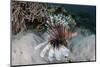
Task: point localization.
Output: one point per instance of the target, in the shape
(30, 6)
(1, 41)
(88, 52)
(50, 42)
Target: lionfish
(57, 43)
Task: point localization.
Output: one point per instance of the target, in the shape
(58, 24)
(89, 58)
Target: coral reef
(27, 15)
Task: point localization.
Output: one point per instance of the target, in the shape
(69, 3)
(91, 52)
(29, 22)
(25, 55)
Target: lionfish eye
(52, 42)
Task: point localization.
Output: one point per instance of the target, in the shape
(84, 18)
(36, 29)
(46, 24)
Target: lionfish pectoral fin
(40, 45)
(44, 50)
(42, 55)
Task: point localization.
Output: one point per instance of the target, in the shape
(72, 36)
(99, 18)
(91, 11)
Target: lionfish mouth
(59, 35)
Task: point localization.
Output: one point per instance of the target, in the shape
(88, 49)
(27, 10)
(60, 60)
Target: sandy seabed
(23, 53)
